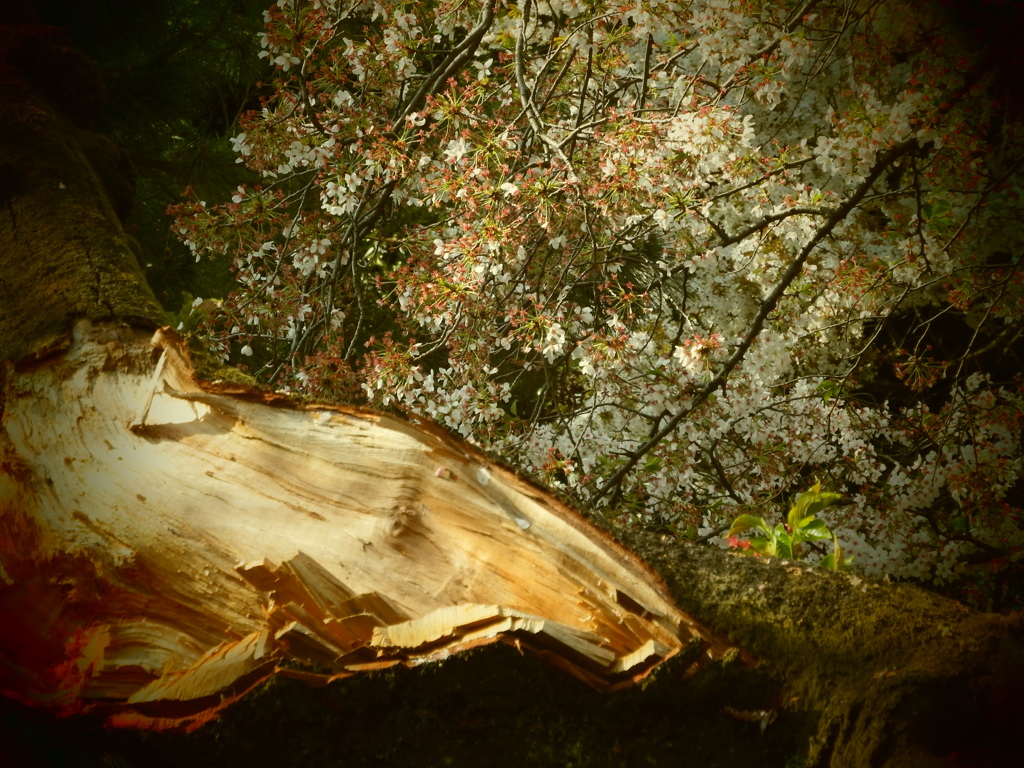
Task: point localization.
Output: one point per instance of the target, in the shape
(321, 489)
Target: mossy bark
(64, 252)
(886, 674)
(849, 673)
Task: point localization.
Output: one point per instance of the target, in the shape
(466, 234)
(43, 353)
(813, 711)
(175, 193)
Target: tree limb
(886, 159)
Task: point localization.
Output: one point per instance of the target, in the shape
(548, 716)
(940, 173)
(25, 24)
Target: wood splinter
(180, 543)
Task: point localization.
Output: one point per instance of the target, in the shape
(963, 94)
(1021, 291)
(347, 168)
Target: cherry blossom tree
(675, 259)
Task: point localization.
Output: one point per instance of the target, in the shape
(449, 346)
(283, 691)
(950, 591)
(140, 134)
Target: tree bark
(167, 543)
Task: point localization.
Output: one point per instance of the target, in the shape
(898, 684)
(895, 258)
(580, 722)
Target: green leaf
(762, 545)
(798, 518)
(815, 530)
(823, 500)
(809, 504)
(783, 542)
(828, 389)
(798, 512)
(653, 464)
(835, 561)
(746, 523)
(935, 208)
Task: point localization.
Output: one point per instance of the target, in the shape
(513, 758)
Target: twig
(767, 307)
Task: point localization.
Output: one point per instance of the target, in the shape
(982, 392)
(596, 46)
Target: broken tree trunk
(172, 545)
(165, 544)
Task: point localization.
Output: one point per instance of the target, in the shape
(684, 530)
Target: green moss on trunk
(885, 674)
(64, 253)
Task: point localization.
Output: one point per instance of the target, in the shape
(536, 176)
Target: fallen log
(171, 543)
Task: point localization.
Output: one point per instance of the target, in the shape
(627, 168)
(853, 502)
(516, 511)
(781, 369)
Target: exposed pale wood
(187, 542)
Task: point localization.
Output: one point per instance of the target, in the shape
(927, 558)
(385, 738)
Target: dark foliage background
(177, 75)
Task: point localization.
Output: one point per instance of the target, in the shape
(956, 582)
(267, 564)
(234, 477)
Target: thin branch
(757, 226)
(455, 61)
(647, 70)
(526, 95)
(767, 307)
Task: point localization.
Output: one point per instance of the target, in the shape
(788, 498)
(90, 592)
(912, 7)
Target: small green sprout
(784, 540)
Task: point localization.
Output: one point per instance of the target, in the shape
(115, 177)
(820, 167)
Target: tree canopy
(675, 260)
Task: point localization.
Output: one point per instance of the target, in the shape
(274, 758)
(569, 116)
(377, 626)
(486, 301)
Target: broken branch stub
(165, 544)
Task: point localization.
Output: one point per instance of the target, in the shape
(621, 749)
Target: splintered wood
(166, 545)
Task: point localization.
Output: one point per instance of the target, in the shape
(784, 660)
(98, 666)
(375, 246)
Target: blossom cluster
(653, 253)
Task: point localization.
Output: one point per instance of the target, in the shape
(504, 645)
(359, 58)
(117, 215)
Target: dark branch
(767, 307)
